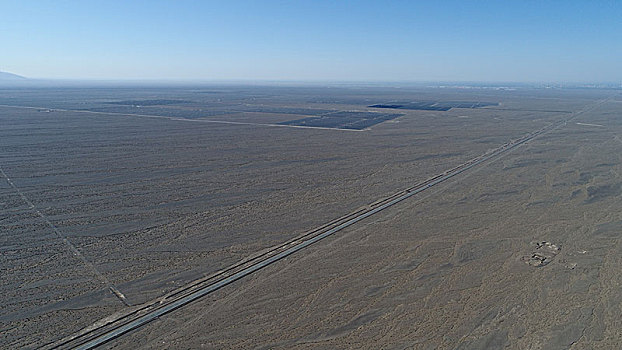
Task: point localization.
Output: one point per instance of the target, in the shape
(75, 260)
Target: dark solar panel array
(344, 120)
(434, 105)
(160, 102)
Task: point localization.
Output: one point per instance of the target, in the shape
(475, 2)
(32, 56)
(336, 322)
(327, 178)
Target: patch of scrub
(598, 193)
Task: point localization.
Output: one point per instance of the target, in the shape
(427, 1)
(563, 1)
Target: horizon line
(440, 82)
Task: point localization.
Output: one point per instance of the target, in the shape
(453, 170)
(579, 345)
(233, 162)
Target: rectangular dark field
(188, 113)
(344, 120)
(434, 105)
(159, 102)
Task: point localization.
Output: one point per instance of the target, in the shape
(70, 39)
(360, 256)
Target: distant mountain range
(4, 76)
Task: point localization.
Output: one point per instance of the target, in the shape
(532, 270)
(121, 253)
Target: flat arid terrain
(114, 200)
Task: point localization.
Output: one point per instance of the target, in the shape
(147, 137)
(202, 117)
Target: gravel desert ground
(144, 190)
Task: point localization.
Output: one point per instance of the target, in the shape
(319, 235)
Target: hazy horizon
(319, 41)
(298, 82)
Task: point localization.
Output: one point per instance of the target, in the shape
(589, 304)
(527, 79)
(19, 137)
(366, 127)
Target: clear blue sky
(335, 40)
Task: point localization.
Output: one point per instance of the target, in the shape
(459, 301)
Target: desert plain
(113, 196)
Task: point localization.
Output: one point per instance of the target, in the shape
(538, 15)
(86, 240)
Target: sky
(375, 41)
